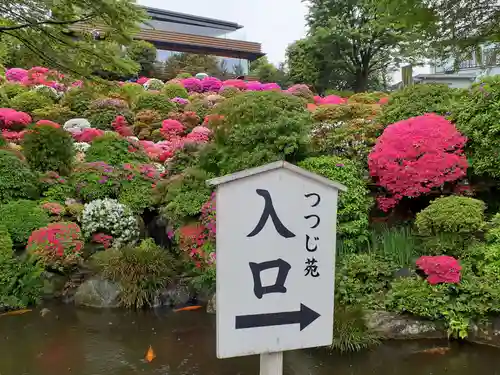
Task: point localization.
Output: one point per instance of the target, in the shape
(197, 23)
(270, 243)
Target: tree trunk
(361, 83)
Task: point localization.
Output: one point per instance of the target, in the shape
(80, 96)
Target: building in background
(462, 74)
(173, 32)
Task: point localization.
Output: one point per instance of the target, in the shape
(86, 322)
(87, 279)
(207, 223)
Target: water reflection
(93, 342)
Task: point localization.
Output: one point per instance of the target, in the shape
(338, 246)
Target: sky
(273, 23)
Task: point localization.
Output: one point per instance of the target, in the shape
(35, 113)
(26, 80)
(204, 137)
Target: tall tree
(144, 54)
(350, 40)
(42, 29)
(193, 64)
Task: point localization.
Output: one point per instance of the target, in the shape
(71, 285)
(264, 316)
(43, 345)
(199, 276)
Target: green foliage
(476, 116)
(182, 196)
(493, 229)
(144, 54)
(475, 297)
(229, 91)
(30, 101)
(21, 218)
(78, 99)
(114, 150)
(258, 128)
(363, 279)
(130, 91)
(5, 243)
(102, 115)
(200, 107)
(175, 90)
(20, 282)
(57, 113)
(191, 63)
(350, 333)
(155, 102)
(43, 34)
(49, 149)
(3, 142)
(11, 89)
(449, 224)
(416, 100)
(348, 130)
(141, 271)
(186, 157)
(354, 205)
(267, 72)
(136, 194)
(16, 179)
(341, 93)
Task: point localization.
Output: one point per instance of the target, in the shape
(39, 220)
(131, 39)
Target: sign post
(276, 231)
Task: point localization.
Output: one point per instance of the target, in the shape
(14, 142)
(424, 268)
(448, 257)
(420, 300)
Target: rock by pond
(98, 293)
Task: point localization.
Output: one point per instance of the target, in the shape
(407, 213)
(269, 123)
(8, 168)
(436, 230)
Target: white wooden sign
(275, 260)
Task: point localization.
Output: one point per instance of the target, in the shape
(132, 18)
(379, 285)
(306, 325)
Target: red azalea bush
(416, 155)
(440, 269)
(172, 128)
(53, 208)
(121, 126)
(48, 123)
(103, 239)
(59, 245)
(88, 135)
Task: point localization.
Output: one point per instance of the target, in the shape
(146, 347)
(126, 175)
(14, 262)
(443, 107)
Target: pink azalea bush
(192, 84)
(16, 74)
(440, 269)
(414, 156)
(12, 119)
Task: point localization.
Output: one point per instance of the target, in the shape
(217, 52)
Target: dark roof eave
(222, 52)
(212, 21)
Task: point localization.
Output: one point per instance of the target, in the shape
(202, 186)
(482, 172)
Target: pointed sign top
(274, 166)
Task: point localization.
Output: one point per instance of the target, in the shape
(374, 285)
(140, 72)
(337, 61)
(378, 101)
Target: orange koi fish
(16, 312)
(150, 355)
(440, 350)
(188, 308)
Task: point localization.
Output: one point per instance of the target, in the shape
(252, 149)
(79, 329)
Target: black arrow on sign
(304, 317)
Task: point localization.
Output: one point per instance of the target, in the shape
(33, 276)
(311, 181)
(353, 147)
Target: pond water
(93, 342)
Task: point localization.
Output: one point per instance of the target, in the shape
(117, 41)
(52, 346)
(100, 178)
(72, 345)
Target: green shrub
(363, 279)
(136, 194)
(20, 282)
(5, 243)
(3, 142)
(350, 333)
(475, 298)
(21, 218)
(353, 206)
(416, 100)
(130, 91)
(30, 101)
(12, 90)
(341, 93)
(229, 91)
(57, 113)
(49, 149)
(155, 102)
(258, 128)
(175, 90)
(449, 224)
(96, 180)
(102, 116)
(182, 196)
(16, 179)
(493, 229)
(365, 98)
(199, 106)
(184, 158)
(141, 271)
(115, 150)
(78, 100)
(476, 116)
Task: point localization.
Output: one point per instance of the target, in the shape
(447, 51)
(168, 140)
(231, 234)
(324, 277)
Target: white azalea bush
(110, 217)
(153, 84)
(81, 146)
(76, 125)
